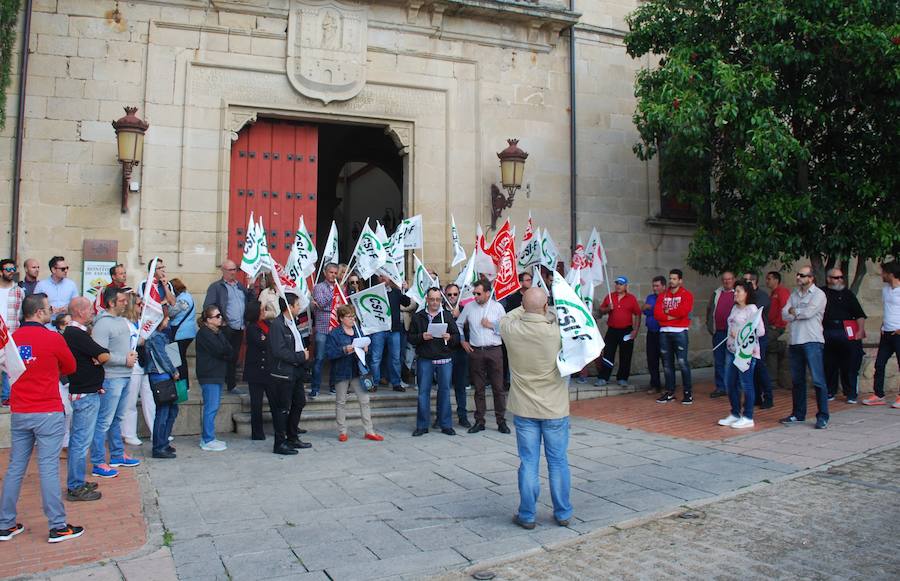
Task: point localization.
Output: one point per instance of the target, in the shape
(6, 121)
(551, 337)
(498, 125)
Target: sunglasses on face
(803, 275)
(452, 294)
(13, 269)
(354, 282)
(63, 268)
(836, 277)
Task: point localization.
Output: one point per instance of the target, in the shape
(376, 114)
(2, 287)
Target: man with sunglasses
(11, 297)
(844, 329)
(805, 309)
(460, 360)
(59, 288)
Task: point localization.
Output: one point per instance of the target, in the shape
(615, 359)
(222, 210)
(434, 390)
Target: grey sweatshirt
(113, 333)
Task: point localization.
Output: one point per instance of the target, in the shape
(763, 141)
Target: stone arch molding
(326, 49)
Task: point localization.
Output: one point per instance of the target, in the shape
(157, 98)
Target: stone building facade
(427, 90)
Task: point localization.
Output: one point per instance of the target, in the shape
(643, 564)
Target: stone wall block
(233, 20)
(50, 129)
(164, 36)
(74, 109)
(97, 131)
(43, 65)
(58, 45)
(90, 27)
(116, 70)
(92, 48)
(45, 23)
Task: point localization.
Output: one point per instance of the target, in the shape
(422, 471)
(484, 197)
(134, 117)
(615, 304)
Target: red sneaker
(374, 437)
(873, 399)
(342, 438)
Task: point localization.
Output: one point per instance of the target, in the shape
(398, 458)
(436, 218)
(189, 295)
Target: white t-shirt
(891, 298)
(4, 299)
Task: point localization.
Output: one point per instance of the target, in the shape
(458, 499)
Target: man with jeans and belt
(230, 295)
(673, 311)
(112, 331)
(658, 285)
(539, 400)
(389, 339)
(85, 389)
(322, 298)
(717, 311)
(37, 420)
(485, 355)
(804, 310)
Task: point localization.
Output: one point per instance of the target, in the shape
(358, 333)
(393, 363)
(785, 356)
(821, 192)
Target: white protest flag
(746, 340)
(152, 311)
(585, 289)
(459, 253)
(484, 264)
(10, 356)
(389, 268)
(395, 249)
(538, 280)
(369, 252)
(595, 257)
(573, 277)
(251, 262)
(581, 340)
(284, 283)
(422, 281)
(549, 252)
(330, 252)
(373, 309)
(302, 260)
(530, 253)
(410, 231)
(466, 281)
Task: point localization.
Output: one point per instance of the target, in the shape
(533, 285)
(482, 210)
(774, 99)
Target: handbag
(164, 392)
(366, 380)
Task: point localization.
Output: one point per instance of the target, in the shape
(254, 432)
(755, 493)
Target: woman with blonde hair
(346, 372)
(140, 380)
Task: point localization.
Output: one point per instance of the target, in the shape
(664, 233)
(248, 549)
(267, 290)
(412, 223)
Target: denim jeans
(674, 347)
(84, 424)
(737, 381)
(320, 338)
(761, 379)
(801, 356)
(391, 340)
(6, 386)
(212, 396)
(426, 370)
(44, 430)
(555, 434)
(719, 359)
(460, 382)
(109, 421)
(162, 425)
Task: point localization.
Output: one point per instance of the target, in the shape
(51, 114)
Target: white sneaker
(133, 441)
(213, 446)
(729, 421)
(743, 423)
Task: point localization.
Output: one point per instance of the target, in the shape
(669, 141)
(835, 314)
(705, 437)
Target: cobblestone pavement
(841, 523)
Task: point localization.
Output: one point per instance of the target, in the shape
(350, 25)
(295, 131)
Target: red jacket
(46, 357)
(678, 305)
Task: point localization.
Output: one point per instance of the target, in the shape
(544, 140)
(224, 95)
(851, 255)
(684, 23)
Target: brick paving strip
(416, 507)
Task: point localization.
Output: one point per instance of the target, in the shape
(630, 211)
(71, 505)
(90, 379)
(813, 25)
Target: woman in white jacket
(744, 331)
(140, 382)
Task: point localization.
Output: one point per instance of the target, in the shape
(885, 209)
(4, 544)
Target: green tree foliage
(792, 109)
(9, 10)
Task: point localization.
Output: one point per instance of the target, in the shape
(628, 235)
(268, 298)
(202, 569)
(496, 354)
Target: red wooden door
(274, 173)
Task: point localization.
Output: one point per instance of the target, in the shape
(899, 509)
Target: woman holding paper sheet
(742, 340)
(346, 363)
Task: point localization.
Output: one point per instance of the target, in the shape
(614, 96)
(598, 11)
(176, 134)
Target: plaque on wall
(326, 49)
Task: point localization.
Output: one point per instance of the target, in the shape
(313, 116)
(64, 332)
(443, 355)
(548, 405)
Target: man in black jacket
(435, 357)
(844, 328)
(285, 391)
(85, 387)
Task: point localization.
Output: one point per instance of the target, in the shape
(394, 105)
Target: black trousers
(888, 346)
(653, 359)
(257, 390)
(286, 400)
(236, 338)
(613, 340)
(843, 358)
(183, 345)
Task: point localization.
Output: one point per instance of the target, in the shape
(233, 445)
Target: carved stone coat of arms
(326, 49)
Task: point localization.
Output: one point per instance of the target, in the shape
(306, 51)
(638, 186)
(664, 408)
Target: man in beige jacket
(539, 400)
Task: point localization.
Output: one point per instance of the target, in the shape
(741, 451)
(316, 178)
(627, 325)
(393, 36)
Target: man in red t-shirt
(624, 323)
(779, 295)
(673, 312)
(38, 420)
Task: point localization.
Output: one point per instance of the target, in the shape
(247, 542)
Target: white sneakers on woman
(736, 422)
(213, 446)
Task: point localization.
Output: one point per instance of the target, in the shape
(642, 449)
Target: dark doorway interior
(360, 176)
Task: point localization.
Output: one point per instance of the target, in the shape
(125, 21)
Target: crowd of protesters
(87, 365)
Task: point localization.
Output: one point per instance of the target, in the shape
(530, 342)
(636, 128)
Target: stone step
(323, 420)
(383, 398)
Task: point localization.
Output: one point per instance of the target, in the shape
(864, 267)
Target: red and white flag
(529, 229)
(484, 264)
(337, 299)
(152, 312)
(595, 257)
(503, 254)
(579, 260)
(10, 359)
